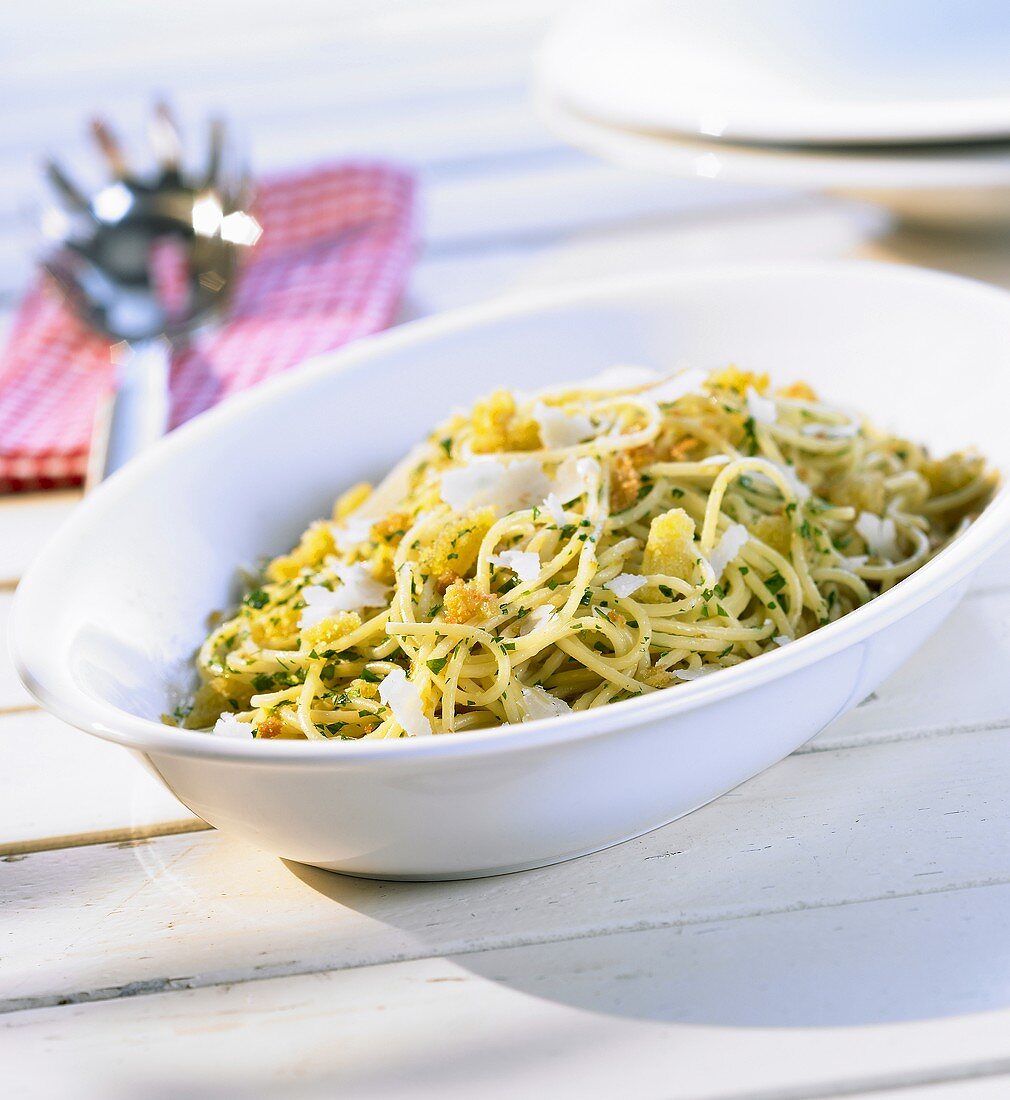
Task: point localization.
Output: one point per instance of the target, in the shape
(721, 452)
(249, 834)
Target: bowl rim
(53, 685)
(695, 155)
(792, 116)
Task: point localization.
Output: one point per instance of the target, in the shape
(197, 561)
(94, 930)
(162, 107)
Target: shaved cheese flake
(404, 700)
(537, 619)
(486, 482)
(677, 386)
(524, 485)
(574, 477)
(560, 429)
(692, 673)
(320, 604)
(553, 506)
(762, 409)
(358, 590)
(541, 704)
(524, 563)
(726, 549)
(782, 639)
(354, 529)
(800, 490)
(625, 584)
(464, 486)
(880, 535)
(229, 726)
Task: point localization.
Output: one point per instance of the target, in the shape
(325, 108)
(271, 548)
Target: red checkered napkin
(331, 265)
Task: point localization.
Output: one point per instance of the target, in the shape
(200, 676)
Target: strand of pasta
(565, 631)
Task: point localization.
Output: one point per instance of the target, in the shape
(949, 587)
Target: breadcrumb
(798, 391)
(391, 529)
(315, 545)
(774, 531)
(670, 548)
(364, 689)
(740, 381)
(644, 455)
(947, 475)
(865, 492)
(351, 500)
(273, 627)
(680, 450)
(497, 427)
(657, 677)
(270, 727)
(456, 546)
(331, 630)
(625, 482)
(464, 600)
(380, 562)
(208, 705)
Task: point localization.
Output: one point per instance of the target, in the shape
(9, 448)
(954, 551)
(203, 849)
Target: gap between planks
(120, 836)
(19, 708)
(158, 985)
(14, 500)
(890, 1085)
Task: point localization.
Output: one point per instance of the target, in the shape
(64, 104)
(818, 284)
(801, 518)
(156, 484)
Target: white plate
(790, 71)
(107, 618)
(953, 187)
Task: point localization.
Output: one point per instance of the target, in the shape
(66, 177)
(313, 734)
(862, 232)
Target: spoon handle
(135, 414)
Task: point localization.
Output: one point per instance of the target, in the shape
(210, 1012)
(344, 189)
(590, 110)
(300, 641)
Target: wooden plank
(12, 695)
(360, 70)
(59, 783)
(27, 521)
(711, 226)
(526, 204)
(307, 79)
(819, 830)
(425, 34)
(771, 1006)
(982, 1084)
(469, 114)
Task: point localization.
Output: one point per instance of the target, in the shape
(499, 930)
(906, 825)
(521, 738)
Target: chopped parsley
(775, 583)
(257, 598)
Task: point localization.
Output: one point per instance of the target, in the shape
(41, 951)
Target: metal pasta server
(143, 261)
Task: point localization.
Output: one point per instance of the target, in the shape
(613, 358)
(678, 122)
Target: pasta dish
(546, 553)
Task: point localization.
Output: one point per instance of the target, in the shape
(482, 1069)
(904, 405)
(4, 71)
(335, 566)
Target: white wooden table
(837, 926)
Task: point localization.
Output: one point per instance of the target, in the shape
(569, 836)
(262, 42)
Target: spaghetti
(546, 554)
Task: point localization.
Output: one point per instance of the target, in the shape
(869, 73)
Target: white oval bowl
(107, 618)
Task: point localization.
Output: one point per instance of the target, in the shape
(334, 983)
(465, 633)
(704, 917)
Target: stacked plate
(905, 103)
